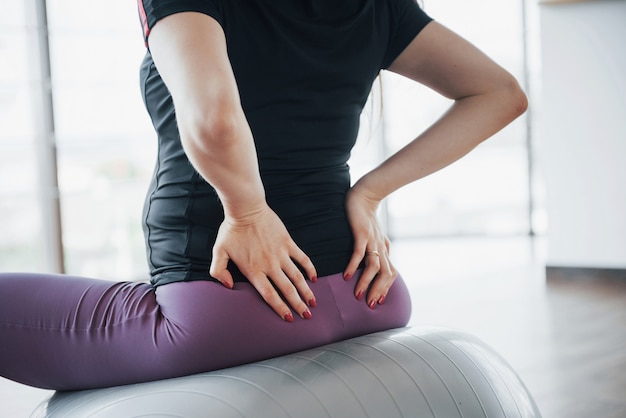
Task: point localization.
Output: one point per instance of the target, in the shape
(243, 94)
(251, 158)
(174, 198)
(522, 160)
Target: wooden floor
(566, 337)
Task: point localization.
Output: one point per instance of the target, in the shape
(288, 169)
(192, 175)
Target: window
(106, 146)
(21, 228)
(487, 192)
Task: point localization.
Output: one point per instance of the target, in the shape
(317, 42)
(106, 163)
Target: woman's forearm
(486, 99)
(223, 153)
(468, 122)
(189, 50)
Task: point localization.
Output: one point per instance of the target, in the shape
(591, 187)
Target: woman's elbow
(209, 132)
(514, 100)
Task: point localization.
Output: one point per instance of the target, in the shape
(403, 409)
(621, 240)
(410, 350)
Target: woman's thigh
(224, 327)
(62, 332)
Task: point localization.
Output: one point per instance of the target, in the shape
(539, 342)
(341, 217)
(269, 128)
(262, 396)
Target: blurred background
(522, 243)
(79, 99)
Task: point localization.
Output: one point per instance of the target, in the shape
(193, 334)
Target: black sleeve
(151, 11)
(407, 20)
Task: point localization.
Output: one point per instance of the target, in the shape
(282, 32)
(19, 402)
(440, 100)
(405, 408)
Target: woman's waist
(328, 258)
(301, 207)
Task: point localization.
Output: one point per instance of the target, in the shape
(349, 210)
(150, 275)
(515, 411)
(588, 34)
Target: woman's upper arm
(189, 51)
(450, 65)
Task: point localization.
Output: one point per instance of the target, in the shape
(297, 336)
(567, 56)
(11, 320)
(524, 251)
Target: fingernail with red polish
(381, 300)
(312, 303)
(307, 314)
(372, 304)
(314, 279)
(359, 295)
(347, 276)
(288, 317)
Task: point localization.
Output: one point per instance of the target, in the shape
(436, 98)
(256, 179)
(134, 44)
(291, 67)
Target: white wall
(582, 132)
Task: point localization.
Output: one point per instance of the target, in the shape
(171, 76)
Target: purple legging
(68, 333)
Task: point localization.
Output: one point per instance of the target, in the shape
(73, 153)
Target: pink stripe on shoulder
(144, 20)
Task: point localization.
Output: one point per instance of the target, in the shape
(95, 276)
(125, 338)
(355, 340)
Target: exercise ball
(405, 372)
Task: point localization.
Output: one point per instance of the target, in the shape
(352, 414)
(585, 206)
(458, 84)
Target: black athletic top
(304, 69)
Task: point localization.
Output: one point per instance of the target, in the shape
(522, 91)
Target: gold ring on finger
(376, 253)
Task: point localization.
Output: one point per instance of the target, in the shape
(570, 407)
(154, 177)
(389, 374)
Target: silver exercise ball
(399, 373)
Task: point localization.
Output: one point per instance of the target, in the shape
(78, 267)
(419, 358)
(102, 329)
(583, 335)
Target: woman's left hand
(371, 245)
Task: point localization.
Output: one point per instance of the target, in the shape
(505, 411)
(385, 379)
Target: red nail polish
(312, 303)
(288, 317)
(359, 295)
(381, 300)
(314, 279)
(372, 304)
(347, 276)
(307, 314)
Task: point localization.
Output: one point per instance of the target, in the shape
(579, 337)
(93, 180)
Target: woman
(257, 244)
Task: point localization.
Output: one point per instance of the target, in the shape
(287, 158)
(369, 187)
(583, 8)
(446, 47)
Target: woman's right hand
(371, 246)
(265, 253)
